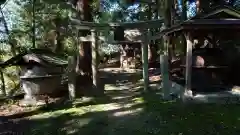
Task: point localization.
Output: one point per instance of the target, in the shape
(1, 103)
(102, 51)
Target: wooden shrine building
(216, 27)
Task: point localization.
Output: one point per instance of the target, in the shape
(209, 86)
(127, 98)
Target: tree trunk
(33, 25)
(95, 63)
(202, 6)
(150, 54)
(58, 41)
(81, 62)
(174, 11)
(4, 93)
(198, 6)
(84, 64)
(173, 22)
(119, 36)
(167, 23)
(164, 57)
(183, 18)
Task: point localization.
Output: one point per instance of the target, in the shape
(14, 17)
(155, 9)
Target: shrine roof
(219, 12)
(223, 17)
(41, 56)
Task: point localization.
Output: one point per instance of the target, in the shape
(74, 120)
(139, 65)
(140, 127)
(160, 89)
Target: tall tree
(84, 14)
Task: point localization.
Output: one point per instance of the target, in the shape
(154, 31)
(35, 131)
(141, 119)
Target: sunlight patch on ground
(110, 87)
(71, 131)
(83, 99)
(128, 108)
(138, 100)
(128, 105)
(121, 97)
(128, 112)
(58, 113)
(137, 87)
(104, 107)
(78, 110)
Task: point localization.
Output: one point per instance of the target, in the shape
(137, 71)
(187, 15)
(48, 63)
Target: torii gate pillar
(144, 47)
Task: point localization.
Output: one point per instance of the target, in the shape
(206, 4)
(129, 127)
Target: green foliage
(52, 27)
(49, 17)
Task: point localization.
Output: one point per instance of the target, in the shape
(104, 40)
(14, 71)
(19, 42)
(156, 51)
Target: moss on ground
(132, 113)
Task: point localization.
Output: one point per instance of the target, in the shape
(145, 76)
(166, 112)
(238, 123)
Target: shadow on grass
(64, 104)
(126, 112)
(151, 116)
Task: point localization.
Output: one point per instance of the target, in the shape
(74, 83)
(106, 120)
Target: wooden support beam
(164, 69)
(188, 73)
(95, 61)
(88, 38)
(143, 24)
(84, 25)
(144, 48)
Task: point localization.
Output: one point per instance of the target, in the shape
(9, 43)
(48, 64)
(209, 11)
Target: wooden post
(144, 48)
(188, 73)
(164, 69)
(164, 55)
(95, 72)
(72, 77)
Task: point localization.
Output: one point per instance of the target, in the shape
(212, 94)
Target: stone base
(227, 97)
(31, 101)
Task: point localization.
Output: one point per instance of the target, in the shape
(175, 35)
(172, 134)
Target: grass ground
(126, 111)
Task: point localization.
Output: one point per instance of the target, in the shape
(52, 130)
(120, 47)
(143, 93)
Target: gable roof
(207, 21)
(41, 56)
(218, 11)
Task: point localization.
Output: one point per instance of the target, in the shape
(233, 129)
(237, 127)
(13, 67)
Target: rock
(28, 102)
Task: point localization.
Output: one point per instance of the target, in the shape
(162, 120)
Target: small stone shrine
(40, 74)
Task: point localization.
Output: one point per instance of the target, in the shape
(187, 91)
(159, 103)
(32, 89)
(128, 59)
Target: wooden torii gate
(143, 26)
